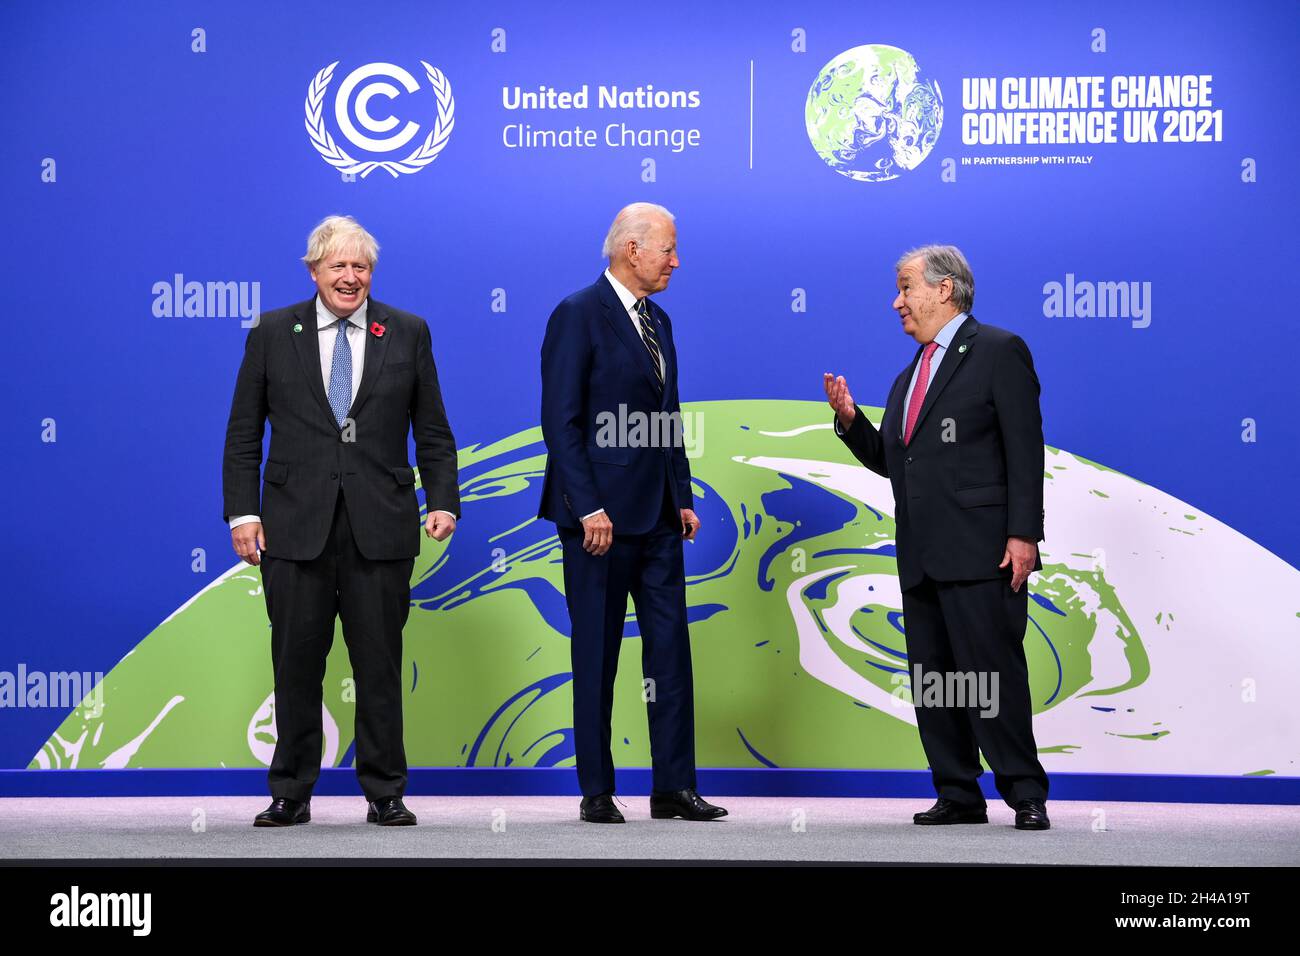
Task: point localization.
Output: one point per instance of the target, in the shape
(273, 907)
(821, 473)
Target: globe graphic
(872, 115)
(1140, 633)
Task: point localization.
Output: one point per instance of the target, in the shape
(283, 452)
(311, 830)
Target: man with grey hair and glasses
(961, 442)
(335, 525)
(622, 509)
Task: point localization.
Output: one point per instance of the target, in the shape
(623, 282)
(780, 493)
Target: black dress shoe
(389, 812)
(686, 804)
(1032, 815)
(599, 809)
(284, 812)
(945, 811)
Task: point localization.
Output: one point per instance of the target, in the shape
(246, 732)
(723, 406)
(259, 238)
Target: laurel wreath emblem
(335, 155)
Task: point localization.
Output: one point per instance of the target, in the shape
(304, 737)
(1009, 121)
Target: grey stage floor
(785, 829)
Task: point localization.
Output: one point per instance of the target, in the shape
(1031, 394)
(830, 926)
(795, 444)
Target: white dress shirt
(327, 331)
(629, 303)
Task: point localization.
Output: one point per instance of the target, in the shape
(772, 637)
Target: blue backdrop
(170, 160)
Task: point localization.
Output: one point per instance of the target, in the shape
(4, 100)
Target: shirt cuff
(443, 511)
(598, 511)
(243, 519)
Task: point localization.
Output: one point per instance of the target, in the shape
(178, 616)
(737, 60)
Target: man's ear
(945, 288)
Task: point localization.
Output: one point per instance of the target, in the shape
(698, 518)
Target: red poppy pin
(376, 330)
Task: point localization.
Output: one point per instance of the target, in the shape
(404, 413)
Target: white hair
(334, 233)
(944, 262)
(632, 222)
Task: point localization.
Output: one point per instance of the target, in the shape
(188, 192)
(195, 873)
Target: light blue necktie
(340, 391)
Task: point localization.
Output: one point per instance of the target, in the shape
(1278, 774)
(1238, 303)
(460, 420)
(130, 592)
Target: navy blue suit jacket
(596, 374)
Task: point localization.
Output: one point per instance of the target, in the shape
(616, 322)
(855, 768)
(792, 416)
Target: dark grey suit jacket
(973, 473)
(310, 457)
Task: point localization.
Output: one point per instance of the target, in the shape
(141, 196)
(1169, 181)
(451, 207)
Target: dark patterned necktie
(650, 339)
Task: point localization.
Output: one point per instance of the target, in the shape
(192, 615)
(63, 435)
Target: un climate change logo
(337, 157)
(872, 114)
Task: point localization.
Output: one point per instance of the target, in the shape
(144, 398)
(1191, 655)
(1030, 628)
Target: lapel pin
(376, 330)
(961, 348)
(298, 327)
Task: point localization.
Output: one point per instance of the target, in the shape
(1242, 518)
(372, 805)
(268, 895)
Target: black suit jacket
(310, 457)
(594, 363)
(973, 473)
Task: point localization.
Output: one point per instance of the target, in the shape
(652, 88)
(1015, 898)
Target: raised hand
(840, 398)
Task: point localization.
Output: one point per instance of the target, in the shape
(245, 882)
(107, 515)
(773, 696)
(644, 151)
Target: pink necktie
(918, 393)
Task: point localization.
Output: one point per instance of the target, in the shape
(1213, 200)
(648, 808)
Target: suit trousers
(649, 567)
(976, 629)
(372, 599)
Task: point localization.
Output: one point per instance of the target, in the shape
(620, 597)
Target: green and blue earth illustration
(872, 114)
(795, 618)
